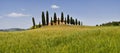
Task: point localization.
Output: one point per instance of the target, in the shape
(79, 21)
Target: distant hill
(13, 29)
(113, 23)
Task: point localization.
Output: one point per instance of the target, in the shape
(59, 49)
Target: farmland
(62, 39)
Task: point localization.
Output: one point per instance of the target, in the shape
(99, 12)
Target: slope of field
(62, 39)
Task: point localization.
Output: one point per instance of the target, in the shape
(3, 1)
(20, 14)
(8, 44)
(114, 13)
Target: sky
(19, 13)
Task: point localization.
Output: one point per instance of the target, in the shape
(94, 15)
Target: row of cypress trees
(56, 20)
(45, 22)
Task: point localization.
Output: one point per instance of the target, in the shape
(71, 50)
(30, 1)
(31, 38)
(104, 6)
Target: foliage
(51, 21)
(62, 17)
(114, 23)
(36, 26)
(33, 20)
(55, 18)
(76, 21)
(43, 18)
(71, 19)
(73, 22)
(65, 20)
(68, 21)
(47, 18)
(58, 21)
(79, 22)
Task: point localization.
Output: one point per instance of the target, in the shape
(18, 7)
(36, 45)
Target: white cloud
(13, 14)
(55, 6)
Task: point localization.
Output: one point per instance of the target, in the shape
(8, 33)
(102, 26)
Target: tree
(47, 17)
(62, 17)
(33, 20)
(58, 21)
(51, 21)
(55, 18)
(79, 23)
(97, 25)
(71, 20)
(68, 19)
(65, 20)
(43, 19)
(76, 21)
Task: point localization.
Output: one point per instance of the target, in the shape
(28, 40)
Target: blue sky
(18, 13)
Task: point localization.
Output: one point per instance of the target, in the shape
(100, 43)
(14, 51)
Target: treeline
(46, 20)
(113, 23)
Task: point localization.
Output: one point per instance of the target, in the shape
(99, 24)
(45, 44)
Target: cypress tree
(33, 20)
(76, 21)
(51, 21)
(62, 17)
(43, 19)
(68, 19)
(65, 20)
(55, 18)
(79, 23)
(58, 21)
(47, 17)
(71, 20)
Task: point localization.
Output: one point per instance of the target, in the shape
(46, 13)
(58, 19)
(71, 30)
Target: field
(62, 39)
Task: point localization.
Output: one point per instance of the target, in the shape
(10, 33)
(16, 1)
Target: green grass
(62, 39)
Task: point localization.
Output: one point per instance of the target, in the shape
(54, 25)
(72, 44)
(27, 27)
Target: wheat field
(62, 39)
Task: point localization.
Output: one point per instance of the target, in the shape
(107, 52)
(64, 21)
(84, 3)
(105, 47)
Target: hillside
(113, 23)
(62, 39)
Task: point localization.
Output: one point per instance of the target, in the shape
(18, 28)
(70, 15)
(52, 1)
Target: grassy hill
(62, 39)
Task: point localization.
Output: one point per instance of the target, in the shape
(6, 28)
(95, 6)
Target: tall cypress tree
(33, 20)
(65, 20)
(47, 17)
(79, 22)
(55, 18)
(51, 21)
(43, 19)
(68, 19)
(71, 20)
(76, 21)
(62, 17)
(58, 21)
